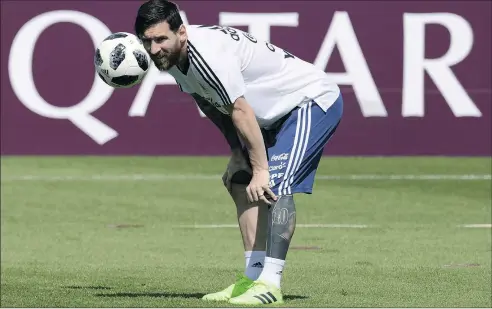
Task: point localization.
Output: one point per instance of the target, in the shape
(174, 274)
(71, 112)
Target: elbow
(241, 111)
(238, 115)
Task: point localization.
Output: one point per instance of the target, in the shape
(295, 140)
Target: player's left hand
(259, 188)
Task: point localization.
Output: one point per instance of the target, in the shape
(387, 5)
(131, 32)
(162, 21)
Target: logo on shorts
(280, 157)
(277, 167)
(276, 175)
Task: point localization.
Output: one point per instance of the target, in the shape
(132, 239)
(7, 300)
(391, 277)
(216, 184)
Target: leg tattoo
(282, 223)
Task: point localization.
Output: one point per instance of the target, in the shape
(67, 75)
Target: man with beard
(276, 111)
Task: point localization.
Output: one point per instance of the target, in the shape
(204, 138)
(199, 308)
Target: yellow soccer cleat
(242, 284)
(260, 293)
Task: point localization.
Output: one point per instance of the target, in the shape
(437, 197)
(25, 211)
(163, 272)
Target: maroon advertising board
(415, 76)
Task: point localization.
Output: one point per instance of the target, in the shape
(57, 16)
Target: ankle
(255, 261)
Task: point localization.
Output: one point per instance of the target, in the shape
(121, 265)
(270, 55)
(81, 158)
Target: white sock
(255, 260)
(272, 271)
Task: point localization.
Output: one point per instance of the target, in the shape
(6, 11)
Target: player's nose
(154, 48)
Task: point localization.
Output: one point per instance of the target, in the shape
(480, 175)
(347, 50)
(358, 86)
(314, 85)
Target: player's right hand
(259, 188)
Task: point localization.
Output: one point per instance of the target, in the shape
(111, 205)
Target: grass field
(109, 232)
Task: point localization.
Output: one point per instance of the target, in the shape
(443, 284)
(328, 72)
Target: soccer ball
(121, 60)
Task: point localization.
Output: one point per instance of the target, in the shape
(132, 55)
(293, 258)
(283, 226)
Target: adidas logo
(267, 298)
(279, 272)
(257, 264)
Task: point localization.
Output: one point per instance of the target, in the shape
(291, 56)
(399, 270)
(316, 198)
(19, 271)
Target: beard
(164, 62)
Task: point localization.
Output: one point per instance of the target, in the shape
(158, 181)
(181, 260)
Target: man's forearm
(245, 122)
(221, 121)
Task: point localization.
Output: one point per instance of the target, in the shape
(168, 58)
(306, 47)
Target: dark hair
(154, 12)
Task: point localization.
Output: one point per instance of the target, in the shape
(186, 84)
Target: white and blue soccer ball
(121, 60)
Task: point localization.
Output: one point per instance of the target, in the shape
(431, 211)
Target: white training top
(226, 63)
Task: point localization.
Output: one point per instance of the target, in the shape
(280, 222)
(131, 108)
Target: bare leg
(253, 225)
(252, 218)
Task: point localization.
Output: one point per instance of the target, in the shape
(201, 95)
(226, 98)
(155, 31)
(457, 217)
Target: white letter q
(21, 77)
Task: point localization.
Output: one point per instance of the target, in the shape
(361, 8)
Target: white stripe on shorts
(296, 151)
(291, 155)
(301, 152)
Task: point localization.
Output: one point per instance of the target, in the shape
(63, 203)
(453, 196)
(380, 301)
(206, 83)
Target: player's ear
(182, 33)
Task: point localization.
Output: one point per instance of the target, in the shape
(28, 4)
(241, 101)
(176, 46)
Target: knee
(283, 203)
(285, 199)
(241, 178)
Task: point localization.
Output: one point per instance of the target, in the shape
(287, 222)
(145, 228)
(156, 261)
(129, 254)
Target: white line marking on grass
(217, 177)
(349, 226)
(411, 177)
(477, 226)
(220, 226)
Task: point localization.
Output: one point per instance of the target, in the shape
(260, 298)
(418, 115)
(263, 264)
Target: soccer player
(276, 111)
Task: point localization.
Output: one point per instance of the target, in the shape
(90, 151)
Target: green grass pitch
(70, 239)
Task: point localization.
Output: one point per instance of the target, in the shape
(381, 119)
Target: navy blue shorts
(296, 146)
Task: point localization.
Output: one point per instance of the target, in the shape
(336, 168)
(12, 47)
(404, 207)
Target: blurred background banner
(415, 76)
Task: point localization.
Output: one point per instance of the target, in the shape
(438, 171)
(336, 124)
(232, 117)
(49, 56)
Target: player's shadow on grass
(167, 295)
(177, 295)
